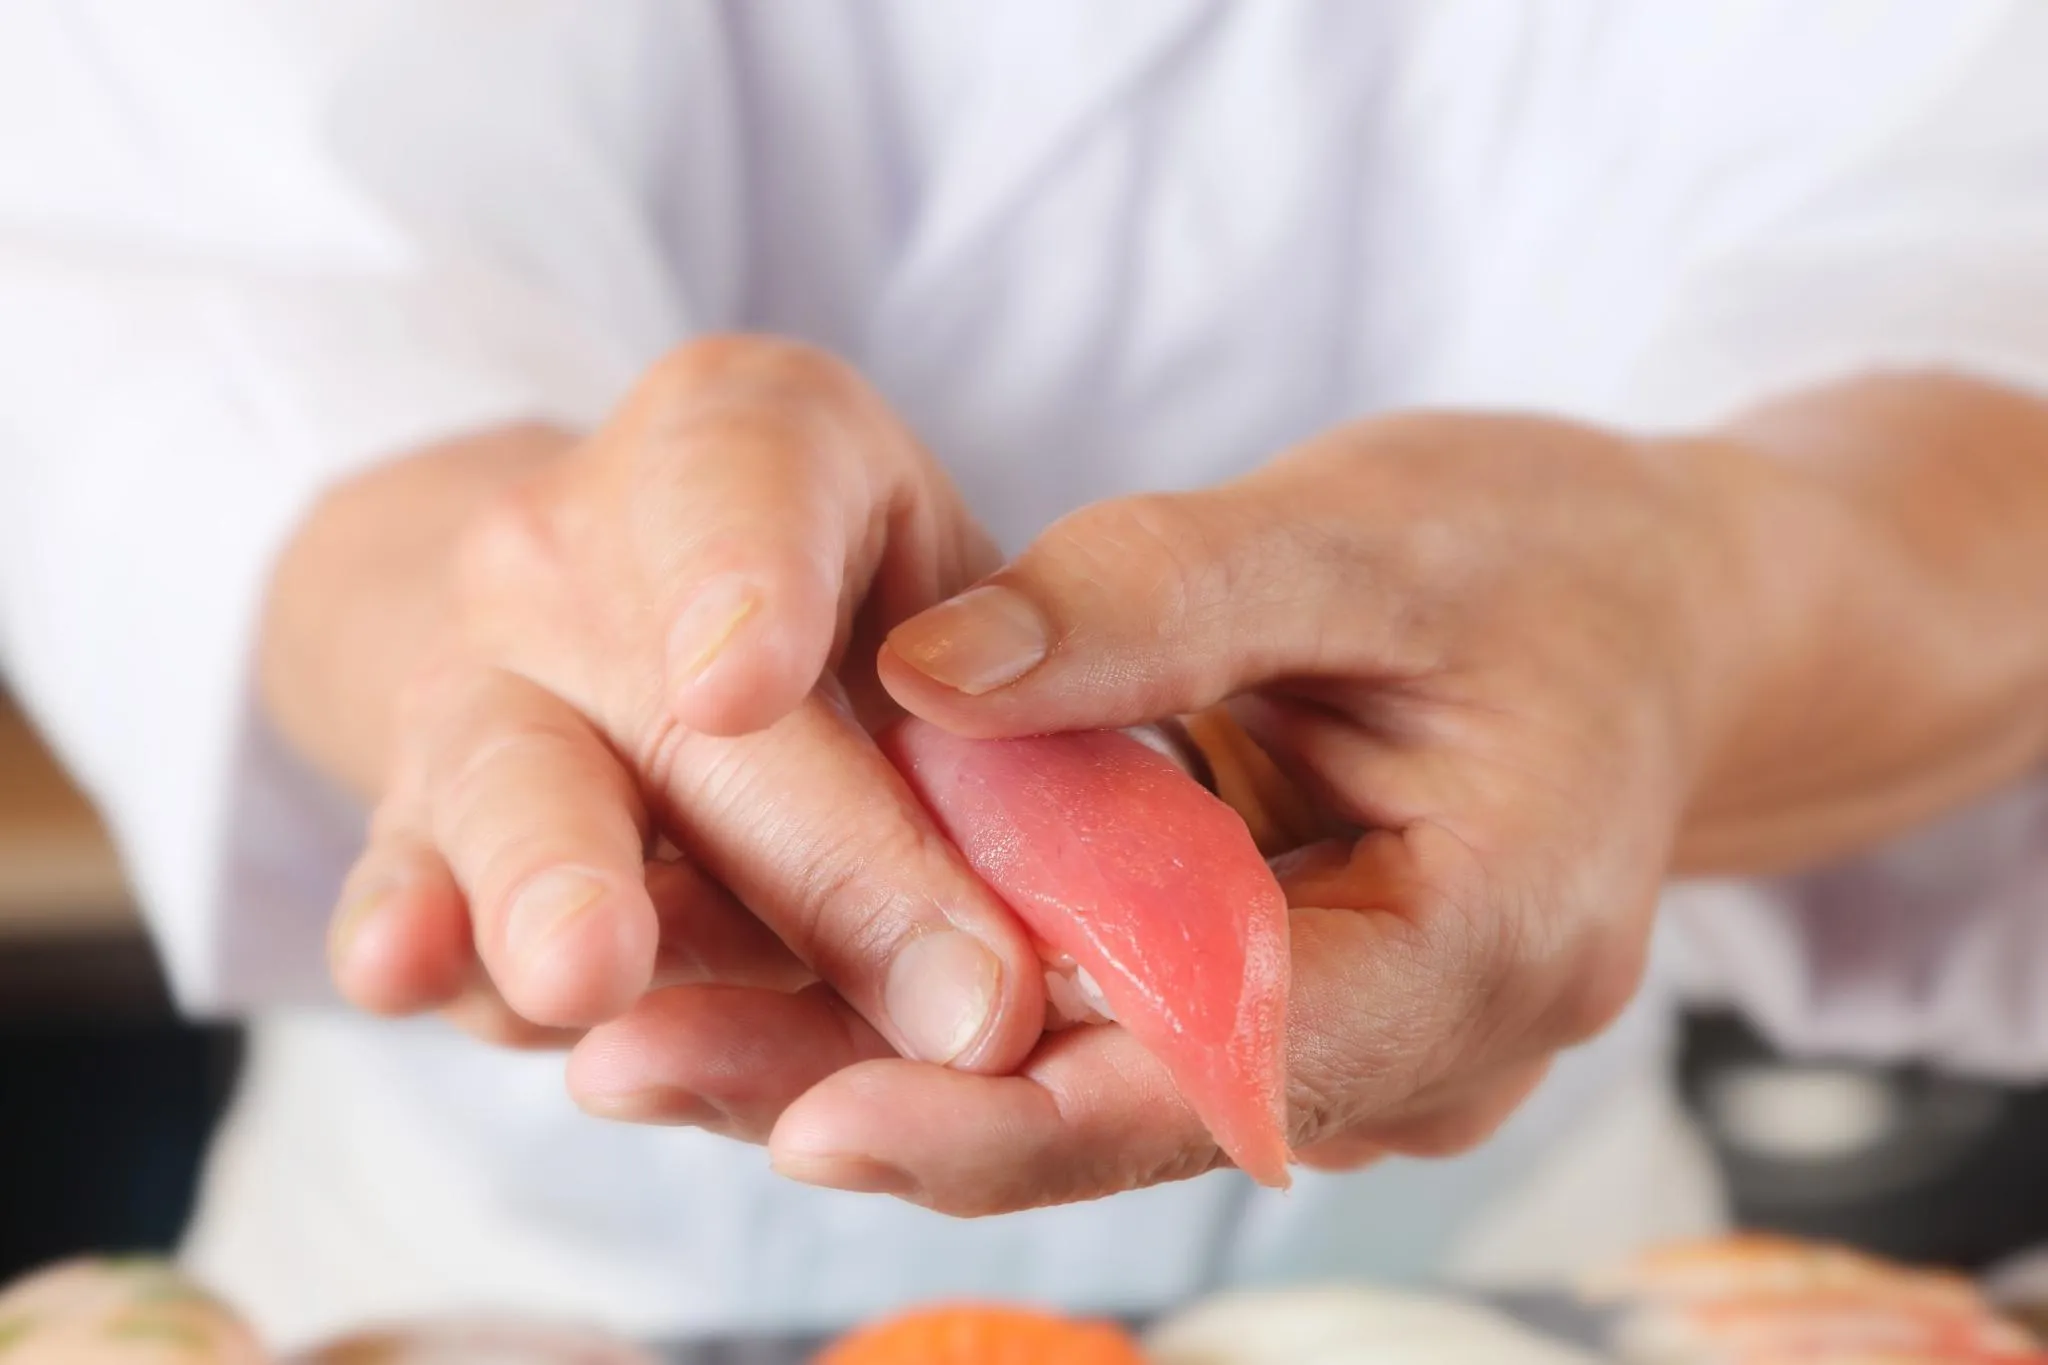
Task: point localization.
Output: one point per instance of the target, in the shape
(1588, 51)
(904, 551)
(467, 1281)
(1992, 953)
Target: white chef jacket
(1087, 248)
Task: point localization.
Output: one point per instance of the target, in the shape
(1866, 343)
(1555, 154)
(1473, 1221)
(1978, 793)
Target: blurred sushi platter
(1309, 1315)
(1741, 1300)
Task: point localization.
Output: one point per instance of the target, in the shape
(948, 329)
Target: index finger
(814, 831)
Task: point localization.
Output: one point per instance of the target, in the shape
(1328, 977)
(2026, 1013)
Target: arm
(1535, 662)
(1888, 544)
(1541, 663)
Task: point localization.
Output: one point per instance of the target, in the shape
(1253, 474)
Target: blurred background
(107, 1098)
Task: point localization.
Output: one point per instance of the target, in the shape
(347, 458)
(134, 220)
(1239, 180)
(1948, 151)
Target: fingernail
(940, 993)
(707, 625)
(349, 924)
(987, 637)
(857, 1174)
(546, 904)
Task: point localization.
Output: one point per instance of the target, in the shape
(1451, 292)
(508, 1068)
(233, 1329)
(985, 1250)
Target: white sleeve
(1930, 250)
(242, 253)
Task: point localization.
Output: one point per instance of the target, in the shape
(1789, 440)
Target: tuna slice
(1121, 863)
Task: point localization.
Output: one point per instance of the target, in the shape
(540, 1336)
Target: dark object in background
(106, 1104)
(106, 1100)
(105, 1116)
(1911, 1164)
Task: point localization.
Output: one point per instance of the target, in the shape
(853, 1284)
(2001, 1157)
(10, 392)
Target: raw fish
(1125, 867)
(983, 1334)
(1754, 1264)
(1821, 1323)
(1764, 1299)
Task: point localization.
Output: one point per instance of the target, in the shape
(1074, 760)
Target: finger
(770, 488)
(482, 1013)
(707, 937)
(1600, 883)
(400, 942)
(1092, 1114)
(718, 1057)
(1385, 1002)
(1144, 607)
(814, 831)
(544, 831)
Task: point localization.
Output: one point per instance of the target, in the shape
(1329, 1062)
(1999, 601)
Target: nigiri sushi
(113, 1311)
(983, 1334)
(1763, 1299)
(1348, 1325)
(1150, 899)
(1747, 1265)
(1827, 1322)
(1850, 1357)
(455, 1343)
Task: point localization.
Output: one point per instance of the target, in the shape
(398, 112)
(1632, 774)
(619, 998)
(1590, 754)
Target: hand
(638, 639)
(1539, 666)
(1492, 645)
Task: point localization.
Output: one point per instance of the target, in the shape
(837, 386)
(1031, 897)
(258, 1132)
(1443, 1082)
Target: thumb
(1138, 608)
(768, 491)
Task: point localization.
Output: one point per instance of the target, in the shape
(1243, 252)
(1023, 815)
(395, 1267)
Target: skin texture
(1539, 665)
(537, 653)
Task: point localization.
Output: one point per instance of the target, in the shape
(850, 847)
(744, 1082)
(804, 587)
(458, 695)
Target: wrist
(1884, 546)
(1758, 547)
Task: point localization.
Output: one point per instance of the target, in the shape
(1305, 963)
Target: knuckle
(729, 439)
(762, 416)
(667, 754)
(696, 367)
(836, 899)
(511, 549)
(1153, 530)
(539, 756)
(390, 834)
(427, 701)
(709, 368)
(1152, 547)
(846, 919)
